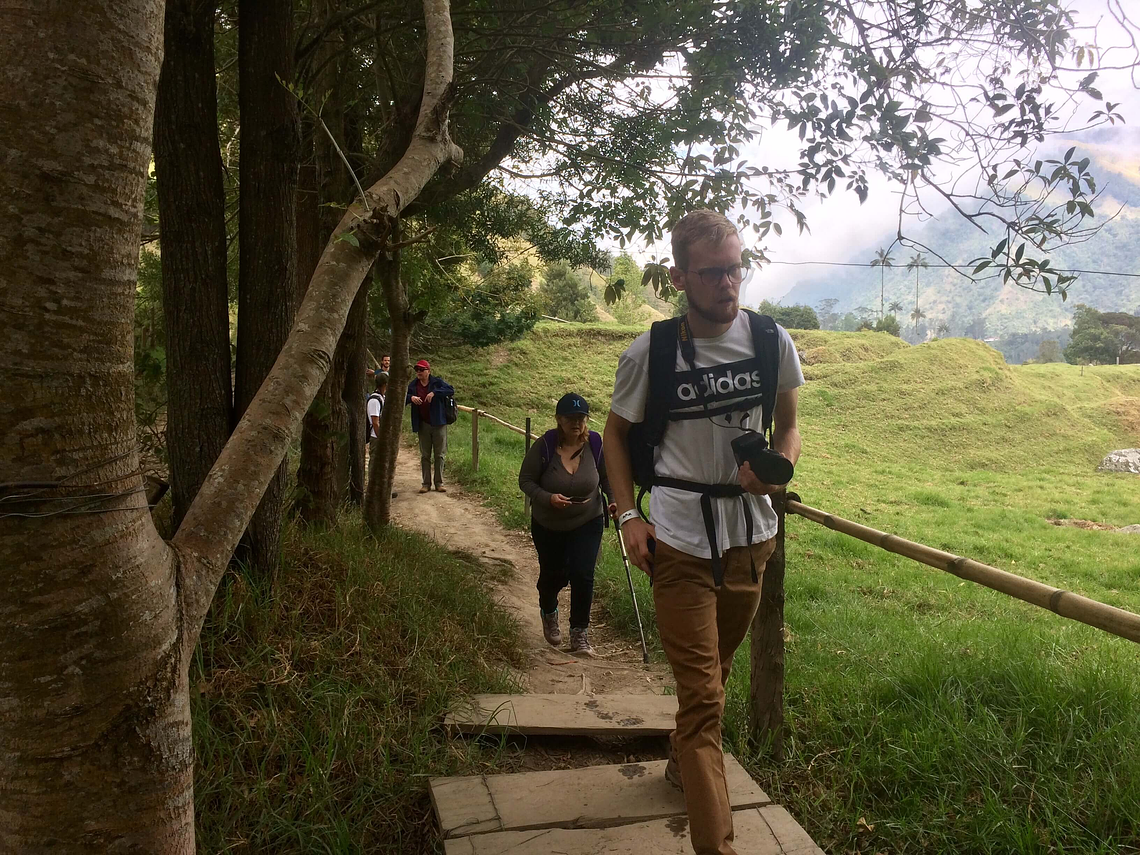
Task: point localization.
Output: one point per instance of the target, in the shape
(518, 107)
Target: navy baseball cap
(572, 404)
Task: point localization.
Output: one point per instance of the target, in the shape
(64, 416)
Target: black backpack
(450, 410)
(646, 435)
(368, 419)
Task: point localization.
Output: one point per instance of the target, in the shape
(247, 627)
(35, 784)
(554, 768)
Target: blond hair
(698, 226)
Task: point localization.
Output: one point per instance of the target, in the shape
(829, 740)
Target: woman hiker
(564, 474)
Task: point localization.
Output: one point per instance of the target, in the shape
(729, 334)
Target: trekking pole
(633, 596)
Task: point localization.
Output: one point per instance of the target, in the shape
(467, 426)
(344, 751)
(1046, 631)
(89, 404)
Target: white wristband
(631, 514)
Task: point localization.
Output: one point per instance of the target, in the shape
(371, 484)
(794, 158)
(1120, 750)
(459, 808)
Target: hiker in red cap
(433, 409)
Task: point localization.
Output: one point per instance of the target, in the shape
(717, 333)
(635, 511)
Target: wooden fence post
(475, 439)
(766, 694)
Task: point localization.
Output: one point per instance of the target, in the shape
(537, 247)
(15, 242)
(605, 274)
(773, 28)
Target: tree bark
(382, 465)
(322, 473)
(231, 491)
(191, 203)
(353, 394)
(98, 617)
(267, 229)
(766, 689)
(354, 389)
(95, 751)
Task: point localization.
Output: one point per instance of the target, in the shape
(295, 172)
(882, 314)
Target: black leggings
(567, 557)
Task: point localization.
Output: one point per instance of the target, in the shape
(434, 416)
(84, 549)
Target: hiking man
(427, 395)
(376, 405)
(385, 362)
(713, 525)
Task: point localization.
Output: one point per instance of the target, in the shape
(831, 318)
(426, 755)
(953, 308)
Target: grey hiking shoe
(673, 771)
(580, 643)
(550, 630)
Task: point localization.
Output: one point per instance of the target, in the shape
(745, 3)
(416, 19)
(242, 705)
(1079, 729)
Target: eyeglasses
(711, 276)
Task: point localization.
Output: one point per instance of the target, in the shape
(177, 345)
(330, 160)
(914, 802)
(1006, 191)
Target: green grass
(316, 709)
(946, 716)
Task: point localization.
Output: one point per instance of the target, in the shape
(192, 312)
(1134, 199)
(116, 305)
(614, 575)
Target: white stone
(1130, 529)
(1123, 460)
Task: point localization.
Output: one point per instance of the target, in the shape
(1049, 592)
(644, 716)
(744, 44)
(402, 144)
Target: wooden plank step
(759, 831)
(593, 797)
(567, 715)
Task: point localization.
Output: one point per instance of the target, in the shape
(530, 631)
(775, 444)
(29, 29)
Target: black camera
(767, 464)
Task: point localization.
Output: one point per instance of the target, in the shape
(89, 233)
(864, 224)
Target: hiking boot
(673, 771)
(550, 630)
(440, 488)
(579, 642)
(424, 489)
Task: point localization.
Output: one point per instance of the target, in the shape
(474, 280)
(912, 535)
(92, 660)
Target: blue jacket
(442, 389)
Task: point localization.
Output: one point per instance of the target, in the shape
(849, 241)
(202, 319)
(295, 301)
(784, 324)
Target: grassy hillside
(317, 706)
(928, 715)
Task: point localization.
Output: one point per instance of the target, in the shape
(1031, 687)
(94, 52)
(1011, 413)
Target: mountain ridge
(947, 297)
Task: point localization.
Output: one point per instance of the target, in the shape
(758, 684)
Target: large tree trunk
(267, 228)
(95, 752)
(353, 390)
(353, 394)
(382, 466)
(322, 474)
(98, 617)
(191, 203)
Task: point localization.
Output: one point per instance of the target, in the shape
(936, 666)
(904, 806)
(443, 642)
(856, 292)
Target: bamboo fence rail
(1065, 603)
(483, 414)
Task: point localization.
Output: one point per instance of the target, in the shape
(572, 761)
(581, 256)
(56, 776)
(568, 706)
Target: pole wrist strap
(627, 516)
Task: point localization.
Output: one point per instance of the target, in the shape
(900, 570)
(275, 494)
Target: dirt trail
(458, 520)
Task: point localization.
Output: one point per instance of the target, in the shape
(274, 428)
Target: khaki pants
(700, 628)
(432, 438)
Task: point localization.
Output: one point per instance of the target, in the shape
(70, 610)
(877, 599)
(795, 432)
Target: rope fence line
(1064, 603)
(766, 654)
(483, 414)
(1075, 607)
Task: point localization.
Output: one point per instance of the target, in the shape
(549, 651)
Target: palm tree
(916, 316)
(943, 328)
(882, 260)
(895, 307)
(916, 261)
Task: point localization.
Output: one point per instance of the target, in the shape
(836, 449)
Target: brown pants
(700, 628)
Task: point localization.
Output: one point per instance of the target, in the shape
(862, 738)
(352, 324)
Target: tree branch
(226, 502)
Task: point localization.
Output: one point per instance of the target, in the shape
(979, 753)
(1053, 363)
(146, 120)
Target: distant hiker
(376, 405)
(683, 392)
(375, 410)
(564, 473)
(385, 363)
(433, 409)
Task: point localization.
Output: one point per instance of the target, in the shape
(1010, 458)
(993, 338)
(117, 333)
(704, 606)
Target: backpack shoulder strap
(662, 366)
(549, 441)
(596, 448)
(766, 342)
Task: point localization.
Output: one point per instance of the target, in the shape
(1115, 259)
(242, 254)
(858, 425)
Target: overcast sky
(843, 230)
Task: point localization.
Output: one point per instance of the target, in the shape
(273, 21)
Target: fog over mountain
(947, 297)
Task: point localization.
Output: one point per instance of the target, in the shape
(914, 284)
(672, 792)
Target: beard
(715, 313)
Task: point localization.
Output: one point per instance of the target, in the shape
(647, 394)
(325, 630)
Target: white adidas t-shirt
(699, 449)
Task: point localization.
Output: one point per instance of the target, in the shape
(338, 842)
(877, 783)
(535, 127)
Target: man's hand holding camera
(754, 485)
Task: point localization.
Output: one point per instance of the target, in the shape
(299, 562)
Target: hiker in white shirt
(713, 527)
